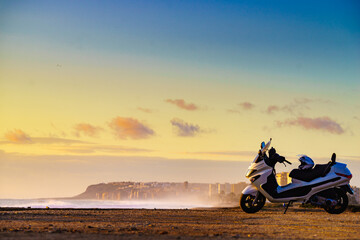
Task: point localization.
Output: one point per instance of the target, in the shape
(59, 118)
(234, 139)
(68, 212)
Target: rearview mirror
(333, 157)
(262, 145)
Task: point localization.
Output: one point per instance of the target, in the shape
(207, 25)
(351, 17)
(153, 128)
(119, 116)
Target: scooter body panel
(250, 189)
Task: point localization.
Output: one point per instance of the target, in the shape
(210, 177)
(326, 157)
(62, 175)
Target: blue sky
(304, 38)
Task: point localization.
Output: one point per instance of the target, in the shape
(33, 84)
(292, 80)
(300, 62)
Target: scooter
(325, 185)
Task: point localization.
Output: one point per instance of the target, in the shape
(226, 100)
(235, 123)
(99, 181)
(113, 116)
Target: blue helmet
(305, 162)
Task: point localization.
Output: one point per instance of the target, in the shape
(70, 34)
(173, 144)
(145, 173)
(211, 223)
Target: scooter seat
(310, 174)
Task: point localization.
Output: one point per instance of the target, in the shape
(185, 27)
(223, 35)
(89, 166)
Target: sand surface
(227, 223)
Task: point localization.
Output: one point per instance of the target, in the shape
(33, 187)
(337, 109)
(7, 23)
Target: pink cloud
(87, 130)
(18, 136)
(272, 109)
(124, 128)
(296, 106)
(182, 104)
(246, 105)
(184, 129)
(243, 106)
(321, 123)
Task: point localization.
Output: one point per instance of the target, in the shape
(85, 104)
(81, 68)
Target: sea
(103, 204)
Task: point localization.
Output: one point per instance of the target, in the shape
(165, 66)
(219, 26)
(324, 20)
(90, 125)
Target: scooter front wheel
(248, 204)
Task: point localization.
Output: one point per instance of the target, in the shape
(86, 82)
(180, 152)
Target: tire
(343, 202)
(246, 203)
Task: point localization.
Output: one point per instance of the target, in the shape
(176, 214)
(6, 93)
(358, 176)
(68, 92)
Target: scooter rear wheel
(248, 205)
(342, 204)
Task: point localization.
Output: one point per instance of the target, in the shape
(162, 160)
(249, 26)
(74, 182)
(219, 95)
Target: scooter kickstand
(287, 206)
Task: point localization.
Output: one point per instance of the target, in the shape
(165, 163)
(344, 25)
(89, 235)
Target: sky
(103, 91)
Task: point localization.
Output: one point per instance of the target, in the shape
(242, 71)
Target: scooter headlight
(253, 179)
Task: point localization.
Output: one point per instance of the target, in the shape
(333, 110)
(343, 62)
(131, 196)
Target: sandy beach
(214, 223)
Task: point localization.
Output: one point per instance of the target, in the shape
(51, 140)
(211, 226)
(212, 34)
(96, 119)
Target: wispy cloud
(233, 111)
(87, 130)
(182, 104)
(17, 136)
(244, 106)
(101, 148)
(297, 105)
(226, 153)
(321, 123)
(272, 108)
(145, 110)
(290, 108)
(54, 140)
(184, 129)
(59, 132)
(124, 128)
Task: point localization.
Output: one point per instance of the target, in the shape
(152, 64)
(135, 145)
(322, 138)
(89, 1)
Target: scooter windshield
(262, 151)
(258, 158)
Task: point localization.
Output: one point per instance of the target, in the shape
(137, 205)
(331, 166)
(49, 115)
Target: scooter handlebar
(287, 162)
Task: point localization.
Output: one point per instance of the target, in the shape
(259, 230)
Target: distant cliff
(98, 191)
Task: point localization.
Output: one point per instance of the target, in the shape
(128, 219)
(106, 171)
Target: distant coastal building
(212, 189)
(221, 188)
(227, 188)
(283, 178)
(237, 188)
